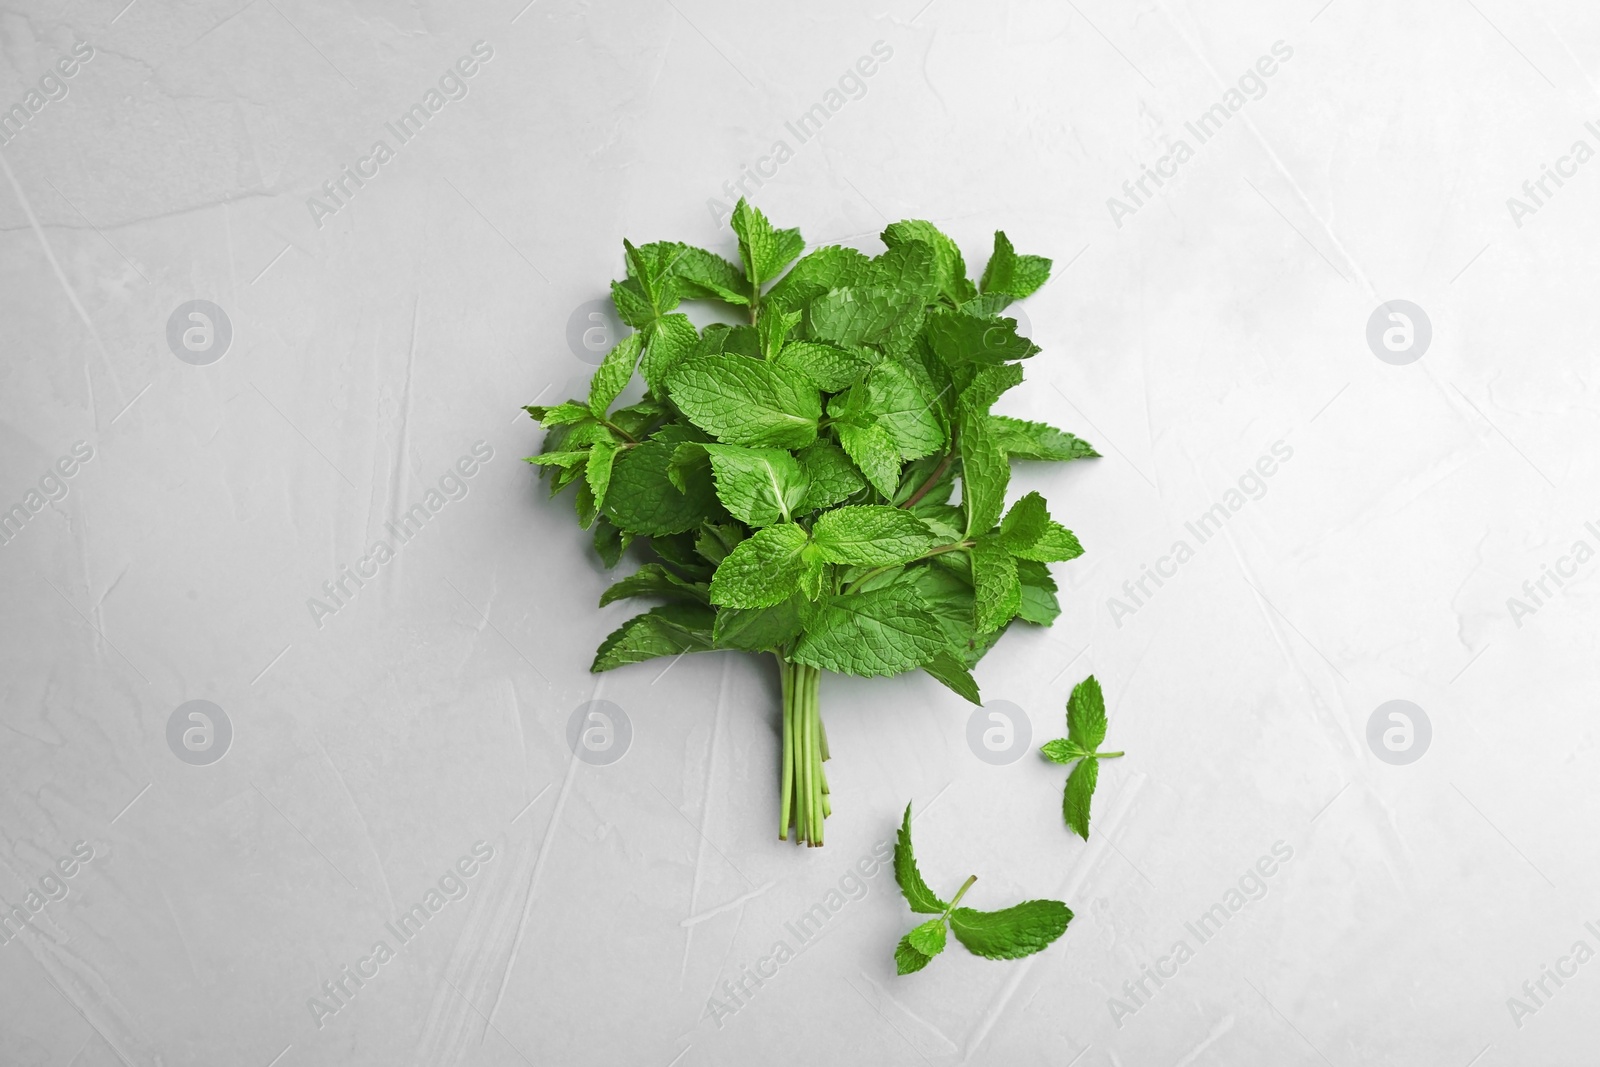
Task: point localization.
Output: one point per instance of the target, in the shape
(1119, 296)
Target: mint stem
(1107, 755)
(960, 893)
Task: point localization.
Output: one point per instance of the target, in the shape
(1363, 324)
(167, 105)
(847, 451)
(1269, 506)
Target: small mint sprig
(1086, 728)
(1008, 934)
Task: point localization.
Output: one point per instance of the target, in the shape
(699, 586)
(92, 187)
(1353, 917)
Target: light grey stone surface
(1188, 332)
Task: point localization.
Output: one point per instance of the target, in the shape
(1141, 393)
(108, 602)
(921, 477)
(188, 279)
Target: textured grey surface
(374, 346)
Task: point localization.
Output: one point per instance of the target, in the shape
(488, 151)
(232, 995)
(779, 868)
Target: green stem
(1107, 755)
(938, 472)
(961, 893)
(786, 674)
(804, 786)
(952, 547)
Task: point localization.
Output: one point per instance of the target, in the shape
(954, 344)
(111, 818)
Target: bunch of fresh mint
(794, 476)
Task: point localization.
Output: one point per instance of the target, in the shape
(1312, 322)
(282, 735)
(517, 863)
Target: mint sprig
(1086, 729)
(790, 474)
(1008, 934)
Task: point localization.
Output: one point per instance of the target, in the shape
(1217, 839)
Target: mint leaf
(1024, 524)
(906, 875)
(905, 413)
(949, 268)
(1078, 793)
(758, 486)
(907, 960)
(652, 579)
(1086, 714)
(602, 454)
(874, 453)
(641, 499)
(1056, 544)
(1062, 751)
(908, 267)
(959, 338)
(764, 250)
(928, 938)
(668, 341)
(874, 535)
(1038, 604)
(773, 330)
(996, 588)
(742, 401)
(950, 672)
(609, 542)
(985, 472)
(663, 631)
(830, 267)
(1034, 440)
(764, 569)
(828, 367)
(856, 316)
(562, 414)
(830, 476)
(885, 631)
(613, 374)
(1012, 933)
(758, 629)
(1013, 275)
(704, 275)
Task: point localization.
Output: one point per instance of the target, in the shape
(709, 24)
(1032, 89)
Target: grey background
(369, 353)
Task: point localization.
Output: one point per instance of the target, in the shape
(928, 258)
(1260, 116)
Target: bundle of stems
(805, 747)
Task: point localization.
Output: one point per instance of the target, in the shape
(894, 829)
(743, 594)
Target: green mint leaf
(652, 270)
(764, 250)
(1062, 751)
(1086, 714)
(563, 414)
(875, 454)
(907, 960)
(641, 498)
(773, 330)
(632, 303)
(948, 669)
(1039, 605)
(742, 401)
(1056, 545)
(818, 271)
(916, 891)
(758, 486)
(949, 268)
(597, 471)
(928, 938)
(668, 341)
(908, 267)
(1010, 934)
(583, 503)
(716, 540)
(858, 316)
(664, 631)
(985, 473)
(609, 542)
(1078, 793)
(959, 338)
(872, 534)
(704, 275)
(763, 570)
(1034, 440)
(558, 459)
(900, 407)
(828, 367)
(885, 631)
(1013, 275)
(996, 588)
(614, 373)
(652, 579)
(987, 386)
(733, 340)
(830, 476)
(758, 629)
(1025, 523)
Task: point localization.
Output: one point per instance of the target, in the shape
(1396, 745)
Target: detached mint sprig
(1086, 729)
(1014, 932)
